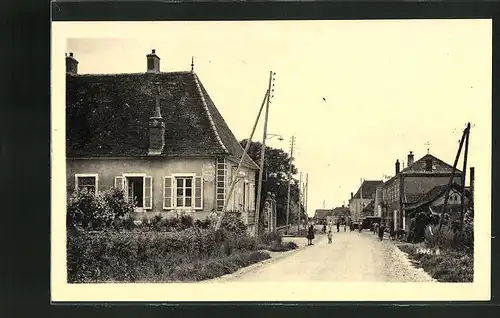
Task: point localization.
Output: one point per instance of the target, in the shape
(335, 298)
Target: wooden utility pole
(289, 185)
(301, 193)
(233, 182)
(307, 193)
(262, 155)
(447, 194)
(463, 206)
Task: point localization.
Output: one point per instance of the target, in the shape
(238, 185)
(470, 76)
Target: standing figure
(381, 230)
(330, 237)
(338, 225)
(310, 234)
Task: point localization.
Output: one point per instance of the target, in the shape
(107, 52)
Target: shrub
(185, 222)
(203, 224)
(233, 223)
(153, 256)
(269, 238)
(88, 211)
(126, 223)
(115, 199)
(450, 238)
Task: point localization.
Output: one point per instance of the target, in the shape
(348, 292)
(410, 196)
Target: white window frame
(95, 175)
(125, 188)
(174, 177)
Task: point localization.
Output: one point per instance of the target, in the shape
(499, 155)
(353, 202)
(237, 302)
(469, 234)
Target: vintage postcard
(271, 161)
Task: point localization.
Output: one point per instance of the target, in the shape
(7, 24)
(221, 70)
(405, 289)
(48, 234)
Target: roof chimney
(156, 127)
(153, 62)
(352, 195)
(71, 64)
(410, 159)
(397, 166)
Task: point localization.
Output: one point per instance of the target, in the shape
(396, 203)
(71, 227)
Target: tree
(275, 180)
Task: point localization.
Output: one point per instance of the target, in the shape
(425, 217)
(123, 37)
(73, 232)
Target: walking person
(381, 230)
(338, 225)
(310, 234)
(330, 237)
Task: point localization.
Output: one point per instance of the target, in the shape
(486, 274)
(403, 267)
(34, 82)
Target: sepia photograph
(271, 160)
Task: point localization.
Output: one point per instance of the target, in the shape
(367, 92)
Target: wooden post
(233, 182)
(301, 193)
(289, 185)
(447, 194)
(463, 206)
(262, 155)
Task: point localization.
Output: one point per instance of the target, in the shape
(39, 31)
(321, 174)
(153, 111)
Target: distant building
(362, 199)
(320, 215)
(433, 201)
(407, 186)
(159, 137)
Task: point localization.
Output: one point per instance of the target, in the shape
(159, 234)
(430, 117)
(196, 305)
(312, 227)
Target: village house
(362, 199)
(407, 186)
(159, 137)
(433, 201)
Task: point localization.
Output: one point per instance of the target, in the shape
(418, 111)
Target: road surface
(352, 257)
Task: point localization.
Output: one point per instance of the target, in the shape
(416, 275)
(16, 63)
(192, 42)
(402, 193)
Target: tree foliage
(275, 180)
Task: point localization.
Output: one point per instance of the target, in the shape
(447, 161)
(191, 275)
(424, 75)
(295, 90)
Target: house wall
(356, 206)
(157, 168)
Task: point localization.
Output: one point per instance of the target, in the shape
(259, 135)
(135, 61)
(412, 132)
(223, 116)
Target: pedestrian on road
(381, 230)
(330, 237)
(310, 234)
(345, 227)
(338, 226)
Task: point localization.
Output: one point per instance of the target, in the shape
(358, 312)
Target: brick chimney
(153, 62)
(156, 127)
(410, 159)
(397, 166)
(71, 64)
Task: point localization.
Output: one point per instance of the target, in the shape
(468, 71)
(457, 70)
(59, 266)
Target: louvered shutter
(148, 193)
(167, 192)
(198, 193)
(120, 184)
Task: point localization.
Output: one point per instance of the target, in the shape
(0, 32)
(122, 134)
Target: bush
(449, 238)
(153, 256)
(115, 199)
(185, 222)
(88, 211)
(233, 223)
(269, 238)
(203, 224)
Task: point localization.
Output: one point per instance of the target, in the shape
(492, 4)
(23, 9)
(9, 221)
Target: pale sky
(390, 86)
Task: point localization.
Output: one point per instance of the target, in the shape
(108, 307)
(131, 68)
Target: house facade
(408, 185)
(159, 137)
(363, 197)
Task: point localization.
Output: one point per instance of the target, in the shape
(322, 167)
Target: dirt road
(352, 257)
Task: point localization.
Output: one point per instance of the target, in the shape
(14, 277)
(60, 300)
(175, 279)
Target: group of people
(379, 229)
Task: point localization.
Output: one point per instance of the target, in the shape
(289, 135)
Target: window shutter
(168, 192)
(76, 183)
(198, 193)
(148, 193)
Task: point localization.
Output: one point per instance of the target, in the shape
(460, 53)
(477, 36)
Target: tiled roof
(323, 213)
(368, 187)
(108, 115)
(340, 211)
(433, 194)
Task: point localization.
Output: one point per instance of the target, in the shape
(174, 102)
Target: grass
(446, 266)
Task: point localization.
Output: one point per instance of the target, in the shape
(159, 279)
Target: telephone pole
(463, 209)
(301, 193)
(262, 154)
(289, 184)
(306, 194)
(233, 182)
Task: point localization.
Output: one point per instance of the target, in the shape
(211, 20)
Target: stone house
(363, 197)
(159, 137)
(407, 186)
